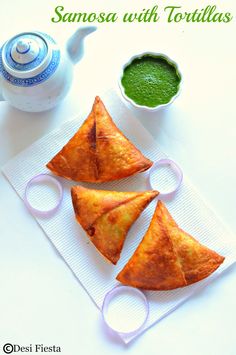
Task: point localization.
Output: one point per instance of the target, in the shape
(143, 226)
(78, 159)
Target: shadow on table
(154, 121)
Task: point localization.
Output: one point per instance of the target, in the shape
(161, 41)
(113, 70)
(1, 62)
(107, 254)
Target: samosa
(107, 216)
(98, 152)
(168, 257)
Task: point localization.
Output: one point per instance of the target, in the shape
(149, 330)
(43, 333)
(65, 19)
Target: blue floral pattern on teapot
(42, 53)
(35, 75)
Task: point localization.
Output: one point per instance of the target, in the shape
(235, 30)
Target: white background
(40, 300)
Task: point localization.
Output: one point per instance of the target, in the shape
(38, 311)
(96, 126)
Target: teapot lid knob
(29, 55)
(25, 50)
(22, 46)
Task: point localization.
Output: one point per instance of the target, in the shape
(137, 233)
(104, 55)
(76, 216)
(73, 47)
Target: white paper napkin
(93, 272)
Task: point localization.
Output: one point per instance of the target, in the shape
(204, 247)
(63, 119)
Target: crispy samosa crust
(107, 216)
(98, 152)
(168, 257)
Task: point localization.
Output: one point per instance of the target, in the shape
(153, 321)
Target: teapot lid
(28, 55)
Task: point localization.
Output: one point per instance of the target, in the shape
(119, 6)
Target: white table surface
(40, 299)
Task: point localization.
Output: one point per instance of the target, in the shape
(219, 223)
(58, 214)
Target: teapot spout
(75, 44)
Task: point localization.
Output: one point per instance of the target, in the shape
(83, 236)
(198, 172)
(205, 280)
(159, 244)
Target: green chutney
(150, 81)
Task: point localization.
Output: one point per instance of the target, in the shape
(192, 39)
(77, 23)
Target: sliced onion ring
(116, 322)
(178, 172)
(42, 178)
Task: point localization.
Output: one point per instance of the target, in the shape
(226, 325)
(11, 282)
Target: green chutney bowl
(145, 107)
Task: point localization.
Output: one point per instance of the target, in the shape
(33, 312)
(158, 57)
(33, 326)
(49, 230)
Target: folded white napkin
(94, 273)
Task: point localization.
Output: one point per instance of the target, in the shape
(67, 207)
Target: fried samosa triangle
(107, 216)
(98, 152)
(168, 257)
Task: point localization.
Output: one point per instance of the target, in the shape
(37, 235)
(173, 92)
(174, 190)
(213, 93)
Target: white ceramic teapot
(35, 75)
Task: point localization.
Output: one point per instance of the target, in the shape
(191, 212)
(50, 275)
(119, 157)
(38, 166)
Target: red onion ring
(178, 172)
(129, 291)
(40, 178)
